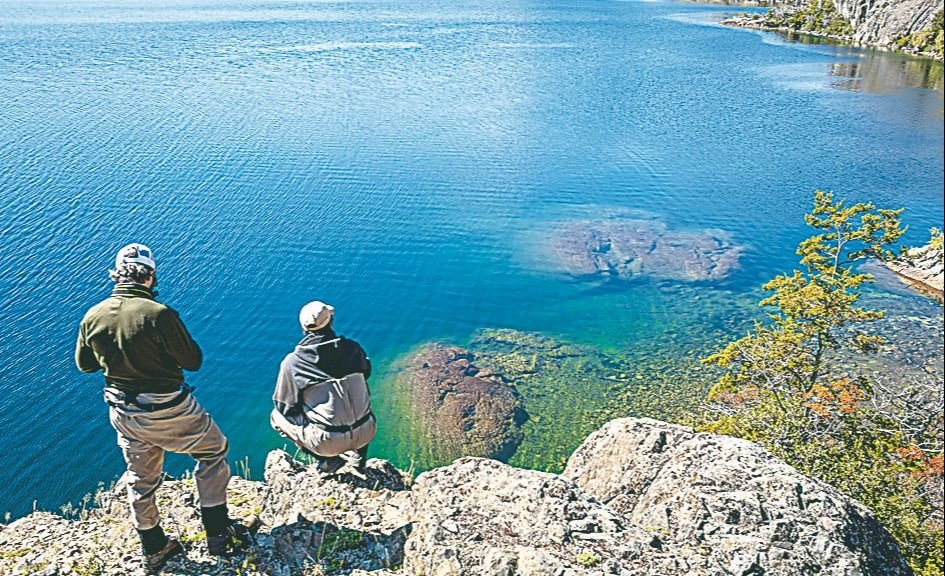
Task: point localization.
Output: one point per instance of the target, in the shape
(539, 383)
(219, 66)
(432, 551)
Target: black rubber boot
(226, 536)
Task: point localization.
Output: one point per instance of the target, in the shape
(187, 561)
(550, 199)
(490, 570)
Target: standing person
(142, 347)
(322, 403)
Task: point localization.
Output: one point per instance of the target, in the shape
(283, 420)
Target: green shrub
(929, 41)
(782, 389)
(819, 17)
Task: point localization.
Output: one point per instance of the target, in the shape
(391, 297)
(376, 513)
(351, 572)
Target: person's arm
(365, 362)
(285, 398)
(84, 355)
(178, 342)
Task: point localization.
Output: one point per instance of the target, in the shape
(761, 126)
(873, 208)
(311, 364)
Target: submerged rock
(467, 410)
(639, 498)
(567, 390)
(633, 248)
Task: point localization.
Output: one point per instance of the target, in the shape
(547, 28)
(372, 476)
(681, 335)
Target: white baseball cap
(135, 254)
(315, 315)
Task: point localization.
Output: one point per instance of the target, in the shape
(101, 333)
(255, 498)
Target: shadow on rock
(306, 544)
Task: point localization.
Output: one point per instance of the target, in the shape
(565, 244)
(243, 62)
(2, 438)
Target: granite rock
(638, 498)
(924, 269)
(745, 510)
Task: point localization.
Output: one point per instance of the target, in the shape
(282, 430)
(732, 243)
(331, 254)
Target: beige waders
(321, 442)
(144, 437)
(336, 418)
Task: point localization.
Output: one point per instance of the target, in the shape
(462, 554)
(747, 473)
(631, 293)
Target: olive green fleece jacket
(141, 345)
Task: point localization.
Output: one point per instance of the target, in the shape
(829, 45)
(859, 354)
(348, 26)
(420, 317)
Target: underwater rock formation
(568, 390)
(470, 411)
(632, 248)
(639, 498)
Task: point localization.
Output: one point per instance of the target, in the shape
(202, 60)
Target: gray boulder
(482, 517)
(741, 509)
(353, 519)
(638, 498)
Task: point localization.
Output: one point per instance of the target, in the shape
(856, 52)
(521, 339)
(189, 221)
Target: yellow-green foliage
(334, 543)
(812, 312)
(192, 538)
(929, 41)
(88, 567)
(780, 390)
(588, 559)
(935, 243)
(817, 16)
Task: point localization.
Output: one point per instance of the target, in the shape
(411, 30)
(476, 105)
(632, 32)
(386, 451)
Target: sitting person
(322, 403)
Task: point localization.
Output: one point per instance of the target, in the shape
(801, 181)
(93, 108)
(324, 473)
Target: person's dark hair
(326, 328)
(130, 272)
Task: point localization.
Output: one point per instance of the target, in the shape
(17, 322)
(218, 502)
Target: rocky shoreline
(638, 498)
(909, 26)
(924, 270)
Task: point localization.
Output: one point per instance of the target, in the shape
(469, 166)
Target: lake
(405, 162)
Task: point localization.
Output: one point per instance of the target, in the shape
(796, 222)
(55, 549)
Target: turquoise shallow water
(399, 160)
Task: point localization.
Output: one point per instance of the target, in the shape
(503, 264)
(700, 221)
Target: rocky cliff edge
(638, 498)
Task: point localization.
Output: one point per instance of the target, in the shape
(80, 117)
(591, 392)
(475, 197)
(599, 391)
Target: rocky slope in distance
(914, 26)
(639, 498)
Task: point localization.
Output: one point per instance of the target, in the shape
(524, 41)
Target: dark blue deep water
(398, 160)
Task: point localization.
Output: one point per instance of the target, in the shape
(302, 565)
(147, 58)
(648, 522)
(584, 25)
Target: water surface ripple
(394, 159)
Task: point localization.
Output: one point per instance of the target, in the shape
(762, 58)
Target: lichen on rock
(639, 498)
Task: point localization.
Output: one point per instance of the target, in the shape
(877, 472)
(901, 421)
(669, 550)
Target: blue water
(397, 159)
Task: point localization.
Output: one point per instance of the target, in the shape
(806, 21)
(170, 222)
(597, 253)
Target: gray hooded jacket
(324, 380)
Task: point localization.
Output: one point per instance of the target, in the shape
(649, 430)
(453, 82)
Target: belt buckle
(113, 396)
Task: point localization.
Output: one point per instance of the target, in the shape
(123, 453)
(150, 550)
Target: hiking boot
(329, 466)
(238, 536)
(154, 562)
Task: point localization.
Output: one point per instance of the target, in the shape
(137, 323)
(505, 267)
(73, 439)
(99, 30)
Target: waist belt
(132, 399)
(345, 429)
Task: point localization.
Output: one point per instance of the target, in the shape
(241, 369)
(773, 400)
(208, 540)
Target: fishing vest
(336, 403)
